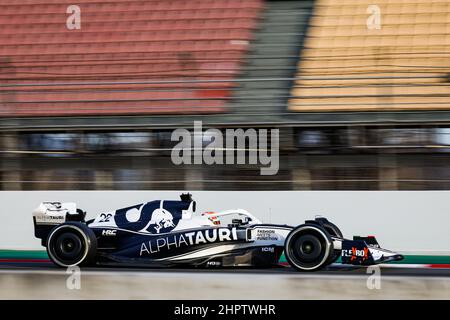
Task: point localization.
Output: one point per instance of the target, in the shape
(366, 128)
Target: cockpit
(231, 218)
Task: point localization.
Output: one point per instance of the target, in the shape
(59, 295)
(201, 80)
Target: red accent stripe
(25, 260)
(440, 266)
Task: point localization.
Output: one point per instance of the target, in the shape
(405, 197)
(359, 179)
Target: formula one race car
(168, 233)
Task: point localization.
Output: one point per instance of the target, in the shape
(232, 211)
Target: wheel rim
(67, 246)
(308, 249)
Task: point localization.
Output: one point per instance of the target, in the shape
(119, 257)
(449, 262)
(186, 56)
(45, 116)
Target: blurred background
(360, 94)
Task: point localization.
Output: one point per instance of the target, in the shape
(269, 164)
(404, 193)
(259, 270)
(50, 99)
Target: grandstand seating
(129, 57)
(272, 59)
(404, 65)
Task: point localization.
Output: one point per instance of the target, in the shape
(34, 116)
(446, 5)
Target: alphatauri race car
(167, 233)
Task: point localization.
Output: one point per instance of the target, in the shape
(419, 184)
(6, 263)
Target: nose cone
(398, 257)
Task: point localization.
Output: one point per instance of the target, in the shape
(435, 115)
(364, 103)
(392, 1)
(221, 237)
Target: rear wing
(52, 213)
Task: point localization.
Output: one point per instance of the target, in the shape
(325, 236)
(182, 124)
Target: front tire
(72, 244)
(308, 247)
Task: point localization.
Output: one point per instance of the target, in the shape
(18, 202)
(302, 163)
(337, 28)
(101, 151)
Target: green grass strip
(23, 254)
(409, 259)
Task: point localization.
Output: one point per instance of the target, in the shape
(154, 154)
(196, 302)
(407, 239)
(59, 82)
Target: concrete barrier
(406, 221)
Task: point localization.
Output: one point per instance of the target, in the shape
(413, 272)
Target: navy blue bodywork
(147, 235)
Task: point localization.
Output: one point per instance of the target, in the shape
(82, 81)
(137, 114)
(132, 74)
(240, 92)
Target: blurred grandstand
(93, 108)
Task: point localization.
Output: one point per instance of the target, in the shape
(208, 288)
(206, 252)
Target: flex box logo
(356, 252)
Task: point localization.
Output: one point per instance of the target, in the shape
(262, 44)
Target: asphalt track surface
(335, 270)
(43, 280)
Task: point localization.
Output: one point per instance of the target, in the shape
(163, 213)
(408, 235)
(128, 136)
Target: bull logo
(161, 219)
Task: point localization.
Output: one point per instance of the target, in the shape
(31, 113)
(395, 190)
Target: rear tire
(308, 247)
(72, 244)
